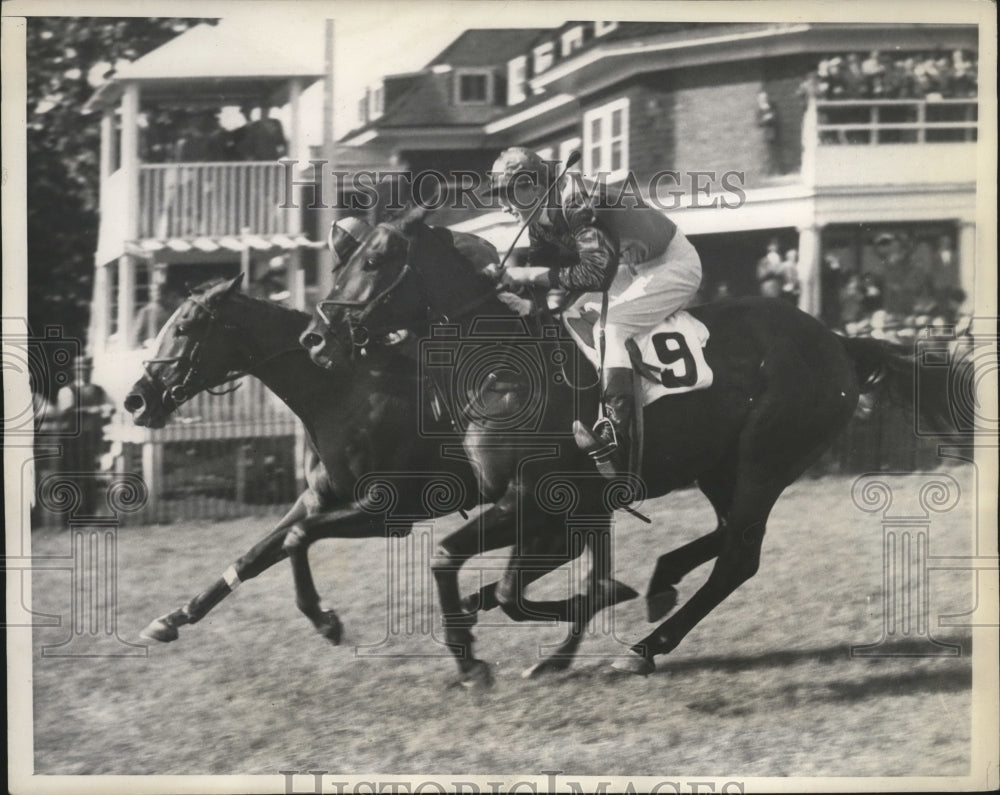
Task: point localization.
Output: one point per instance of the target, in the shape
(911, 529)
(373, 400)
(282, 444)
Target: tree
(67, 57)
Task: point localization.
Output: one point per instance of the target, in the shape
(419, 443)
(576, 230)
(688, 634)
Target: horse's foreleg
(494, 528)
(661, 595)
(671, 568)
(737, 562)
(261, 556)
(353, 522)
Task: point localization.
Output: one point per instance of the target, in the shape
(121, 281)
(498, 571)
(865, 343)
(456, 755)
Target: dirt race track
(766, 686)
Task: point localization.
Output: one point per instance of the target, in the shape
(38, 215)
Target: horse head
(199, 348)
(402, 276)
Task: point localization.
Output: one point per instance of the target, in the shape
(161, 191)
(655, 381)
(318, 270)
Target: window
(605, 140)
(544, 56)
(572, 40)
(376, 102)
(517, 77)
(565, 149)
(603, 28)
(363, 110)
(546, 152)
(473, 87)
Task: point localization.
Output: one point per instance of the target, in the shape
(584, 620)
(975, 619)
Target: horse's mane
(211, 289)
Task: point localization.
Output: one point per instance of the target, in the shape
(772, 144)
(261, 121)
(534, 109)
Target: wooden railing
(895, 121)
(188, 200)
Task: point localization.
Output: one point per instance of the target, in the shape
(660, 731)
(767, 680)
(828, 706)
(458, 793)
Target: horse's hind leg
(672, 567)
(261, 556)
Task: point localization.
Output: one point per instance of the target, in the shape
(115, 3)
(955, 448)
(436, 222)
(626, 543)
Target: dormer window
(378, 102)
(572, 40)
(544, 56)
(517, 78)
(473, 87)
(604, 28)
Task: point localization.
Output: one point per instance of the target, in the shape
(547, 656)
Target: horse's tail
(894, 371)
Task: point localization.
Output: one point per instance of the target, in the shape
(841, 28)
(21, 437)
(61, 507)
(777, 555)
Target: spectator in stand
(854, 81)
(84, 409)
(851, 298)
(153, 316)
(771, 271)
(791, 286)
(261, 139)
(873, 72)
(964, 75)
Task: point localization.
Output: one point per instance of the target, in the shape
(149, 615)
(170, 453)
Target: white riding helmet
(346, 234)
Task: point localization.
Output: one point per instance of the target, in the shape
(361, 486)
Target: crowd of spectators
(198, 136)
(894, 299)
(778, 274)
(937, 75)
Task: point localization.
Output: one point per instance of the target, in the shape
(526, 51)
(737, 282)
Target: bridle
(358, 332)
(190, 359)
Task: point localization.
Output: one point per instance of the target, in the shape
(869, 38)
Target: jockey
(578, 244)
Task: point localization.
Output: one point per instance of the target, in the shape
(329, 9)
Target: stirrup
(607, 450)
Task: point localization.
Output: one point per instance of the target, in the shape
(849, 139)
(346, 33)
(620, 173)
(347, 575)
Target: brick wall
(783, 78)
(715, 113)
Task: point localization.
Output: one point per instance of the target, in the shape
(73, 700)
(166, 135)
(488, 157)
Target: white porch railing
(895, 121)
(185, 200)
(889, 142)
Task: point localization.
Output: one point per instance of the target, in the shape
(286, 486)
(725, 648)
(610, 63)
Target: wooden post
(130, 157)
(126, 300)
(295, 144)
(324, 258)
(809, 269)
(967, 264)
(100, 312)
(152, 473)
(107, 146)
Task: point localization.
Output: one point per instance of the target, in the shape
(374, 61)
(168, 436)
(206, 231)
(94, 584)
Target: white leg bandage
(231, 577)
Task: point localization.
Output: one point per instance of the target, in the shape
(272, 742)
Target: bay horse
(363, 436)
(784, 387)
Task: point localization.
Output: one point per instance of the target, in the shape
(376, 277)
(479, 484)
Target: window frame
(570, 37)
(486, 73)
(546, 48)
(604, 115)
(517, 89)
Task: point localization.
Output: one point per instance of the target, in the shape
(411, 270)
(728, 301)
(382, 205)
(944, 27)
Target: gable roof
(486, 46)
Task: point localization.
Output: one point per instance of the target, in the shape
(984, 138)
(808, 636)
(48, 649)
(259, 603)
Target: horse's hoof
(660, 603)
(613, 592)
(545, 667)
(161, 630)
(470, 604)
(478, 677)
(634, 664)
(330, 627)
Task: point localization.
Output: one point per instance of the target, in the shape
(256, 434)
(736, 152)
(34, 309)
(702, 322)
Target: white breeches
(643, 295)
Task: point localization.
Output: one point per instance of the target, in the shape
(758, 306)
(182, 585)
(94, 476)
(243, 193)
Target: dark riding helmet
(514, 162)
(345, 236)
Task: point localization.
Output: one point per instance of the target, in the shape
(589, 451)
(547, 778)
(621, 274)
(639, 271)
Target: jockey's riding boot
(611, 440)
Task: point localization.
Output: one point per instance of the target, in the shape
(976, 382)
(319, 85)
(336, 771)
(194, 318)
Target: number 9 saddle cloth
(669, 359)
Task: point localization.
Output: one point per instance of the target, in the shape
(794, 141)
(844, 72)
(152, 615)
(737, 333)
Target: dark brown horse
(784, 387)
(366, 432)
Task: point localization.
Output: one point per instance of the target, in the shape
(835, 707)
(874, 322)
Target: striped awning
(239, 244)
